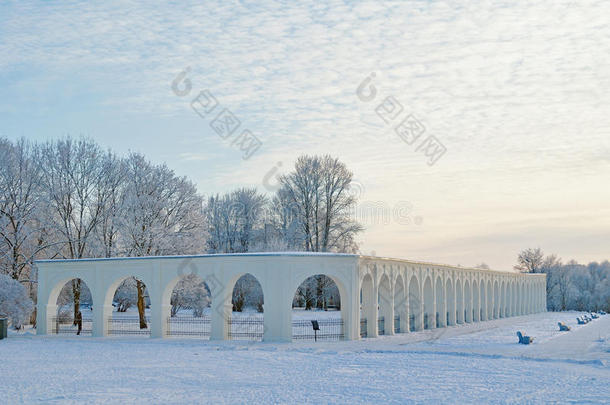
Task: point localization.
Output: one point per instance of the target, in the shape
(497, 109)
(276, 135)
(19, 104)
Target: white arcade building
(416, 295)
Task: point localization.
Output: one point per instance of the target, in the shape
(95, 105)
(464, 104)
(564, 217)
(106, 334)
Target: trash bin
(3, 327)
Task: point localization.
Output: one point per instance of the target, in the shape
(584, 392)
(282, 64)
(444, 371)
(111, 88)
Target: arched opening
(490, 301)
(514, 299)
(482, 301)
(190, 308)
(441, 318)
(497, 300)
(450, 294)
(415, 305)
(317, 299)
(476, 306)
(521, 299)
(504, 309)
(528, 299)
(368, 307)
(74, 309)
(131, 309)
(247, 313)
(385, 305)
(429, 313)
(467, 302)
(400, 306)
(459, 295)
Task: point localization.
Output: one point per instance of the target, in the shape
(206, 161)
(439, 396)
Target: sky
(514, 98)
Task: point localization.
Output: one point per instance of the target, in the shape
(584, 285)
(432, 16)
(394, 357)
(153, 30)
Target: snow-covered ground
(479, 363)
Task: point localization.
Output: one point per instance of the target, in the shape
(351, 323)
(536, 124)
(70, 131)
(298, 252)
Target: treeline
(570, 286)
(71, 198)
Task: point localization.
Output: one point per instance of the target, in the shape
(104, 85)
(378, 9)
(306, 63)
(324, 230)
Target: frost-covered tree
(132, 292)
(247, 293)
(319, 292)
(571, 286)
(163, 213)
(74, 174)
(22, 233)
(530, 260)
(235, 220)
(192, 293)
(318, 192)
(14, 301)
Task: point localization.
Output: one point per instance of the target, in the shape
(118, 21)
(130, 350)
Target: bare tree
(318, 189)
(235, 220)
(162, 215)
(530, 261)
(73, 174)
(22, 233)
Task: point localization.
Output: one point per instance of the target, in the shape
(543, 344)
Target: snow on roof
(289, 254)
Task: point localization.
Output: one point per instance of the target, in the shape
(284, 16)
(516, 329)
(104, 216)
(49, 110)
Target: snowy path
(470, 364)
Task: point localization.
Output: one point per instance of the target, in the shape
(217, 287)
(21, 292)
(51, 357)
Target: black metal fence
(65, 326)
(363, 330)
(397, 324)
(189, 326)
(330, 329)
(246, 328)
(127, 326)
(381, 326)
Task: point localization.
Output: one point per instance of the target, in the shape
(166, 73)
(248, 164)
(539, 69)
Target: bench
(524, 340)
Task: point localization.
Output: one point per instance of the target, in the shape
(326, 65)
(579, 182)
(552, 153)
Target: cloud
(518, 93)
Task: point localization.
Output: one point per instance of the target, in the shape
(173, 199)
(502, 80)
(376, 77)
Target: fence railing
(397, 324)
(65, 326)
(189, 326)
(381, 326)
(246, 328)
(330, 329)
(127, 326)
(412, 323)
(363, 328)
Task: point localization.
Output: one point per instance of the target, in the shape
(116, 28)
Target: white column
(277, 317)
(219, 321)
(371, 312)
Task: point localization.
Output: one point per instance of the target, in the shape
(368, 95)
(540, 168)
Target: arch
(529, 298)
(483, 301)
(490, 301)
(126, 307)
(186, 304)
(67, 298)
(521, 298)
(476, 306)
(429, 312)
(247, 317)
(440, 313)
(459, 299)
(503, 309)
(467, 302)
(509, 299)
(400, 305)
(514, 298)
(368, 306)
(496, 299)
(415, 305)
(385, 311)
(450, 294)
(318, 298)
